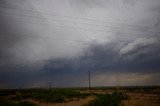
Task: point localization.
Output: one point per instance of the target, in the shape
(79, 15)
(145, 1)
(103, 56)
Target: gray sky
(61, 40)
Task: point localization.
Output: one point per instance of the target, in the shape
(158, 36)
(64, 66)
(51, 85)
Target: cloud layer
(139, 47)
(55, 40)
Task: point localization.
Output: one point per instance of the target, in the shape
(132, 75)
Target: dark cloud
(14, 44)
(34, 62)
(105, 58)
(6, 42)
(138, 47)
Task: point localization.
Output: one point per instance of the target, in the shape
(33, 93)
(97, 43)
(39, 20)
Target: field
(100, 96)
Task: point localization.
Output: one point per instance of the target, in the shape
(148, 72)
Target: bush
(7, 103)
(11, 103)
(113, 99)
(25, 103)
(52, 95)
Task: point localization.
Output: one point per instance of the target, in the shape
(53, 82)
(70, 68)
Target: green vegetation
(53, 95)
(11, 103)
(19, 97)
(113, 99)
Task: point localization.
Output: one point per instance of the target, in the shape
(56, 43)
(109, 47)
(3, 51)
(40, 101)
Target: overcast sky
(61, 40)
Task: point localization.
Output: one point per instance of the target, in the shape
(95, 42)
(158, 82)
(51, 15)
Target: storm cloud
(138, 47)
(61, 40)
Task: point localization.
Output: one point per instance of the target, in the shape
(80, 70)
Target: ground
(142, 100)
(136, 97)
(77, 102)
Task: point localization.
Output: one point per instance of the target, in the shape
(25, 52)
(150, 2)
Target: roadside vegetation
(101, 96)
(11, 103)
(51, 96)
(114, 99)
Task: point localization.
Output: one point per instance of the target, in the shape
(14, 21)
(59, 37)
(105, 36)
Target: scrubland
(100, 96)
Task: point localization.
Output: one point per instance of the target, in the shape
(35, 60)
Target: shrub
(113, 99)
(52, 95)
(11, 103)
(25, 103)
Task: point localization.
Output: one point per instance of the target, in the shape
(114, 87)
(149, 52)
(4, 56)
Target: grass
(14, 97)
(53, 95)
(11, 103)
(113, 99)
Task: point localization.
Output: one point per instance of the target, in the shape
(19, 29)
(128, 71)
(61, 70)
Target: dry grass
(78, 102)
(142, 100)
(135, 97)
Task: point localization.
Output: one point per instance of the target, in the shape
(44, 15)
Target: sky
(60, 41)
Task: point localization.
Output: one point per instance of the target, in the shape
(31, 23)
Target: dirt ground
(135, 99)
(142, 100)
(76, 102)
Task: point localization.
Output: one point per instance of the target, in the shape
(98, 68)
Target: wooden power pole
(50, 85)
(89, 82)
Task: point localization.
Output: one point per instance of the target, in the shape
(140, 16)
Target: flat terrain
(142, 100)
(78, 102)
(147, 96)
(134, 100)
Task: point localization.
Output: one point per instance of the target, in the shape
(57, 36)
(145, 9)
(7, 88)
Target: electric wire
(53, 14)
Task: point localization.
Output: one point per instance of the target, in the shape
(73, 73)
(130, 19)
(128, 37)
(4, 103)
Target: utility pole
(118, 87)
(50, 85)
(89, 82)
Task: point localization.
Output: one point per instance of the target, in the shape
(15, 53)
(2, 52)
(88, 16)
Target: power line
(53, 14)
(72, 27)
(81, 42)
(40, 37)
(105, 26)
